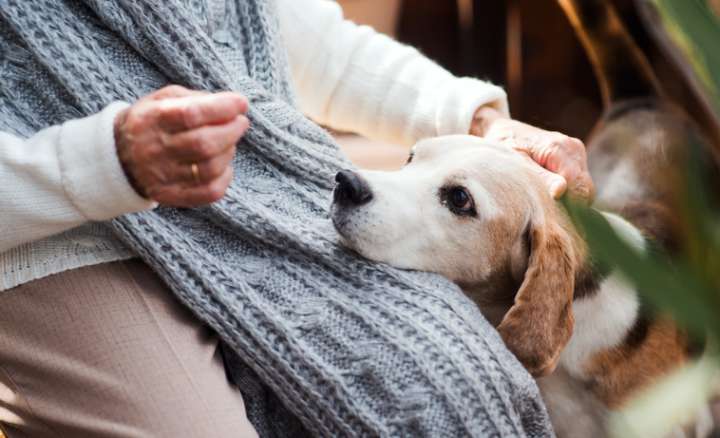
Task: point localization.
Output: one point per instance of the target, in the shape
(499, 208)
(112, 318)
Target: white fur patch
(625, 184)
(485, 202)
(601, 322)
(604, 319)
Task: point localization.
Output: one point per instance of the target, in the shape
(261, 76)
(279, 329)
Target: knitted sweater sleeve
(352, 78)
(62, 177)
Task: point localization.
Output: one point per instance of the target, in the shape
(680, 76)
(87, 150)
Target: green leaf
(672, 287)
(695, 29)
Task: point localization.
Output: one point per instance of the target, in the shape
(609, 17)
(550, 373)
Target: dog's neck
(618, 345)
(590, 274)
(606, 307)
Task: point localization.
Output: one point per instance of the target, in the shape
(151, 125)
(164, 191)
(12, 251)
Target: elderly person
(161, 194)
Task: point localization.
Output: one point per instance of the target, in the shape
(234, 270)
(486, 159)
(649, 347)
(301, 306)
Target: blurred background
(527, 46)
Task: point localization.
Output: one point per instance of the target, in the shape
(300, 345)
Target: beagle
(477, 213)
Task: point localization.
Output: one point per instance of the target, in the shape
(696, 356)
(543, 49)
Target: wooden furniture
(525, 45)
(529, 47)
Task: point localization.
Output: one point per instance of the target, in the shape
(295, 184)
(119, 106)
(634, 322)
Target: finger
(566, 156)
(175, 91)
(590, 184)
(186, 113)
(179, 195)
(579, 182)
(207, 170)
(512, 143)
(582, 187)
(204, 143)
(556, 184)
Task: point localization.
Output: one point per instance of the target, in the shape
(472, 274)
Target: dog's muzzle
(351, 189)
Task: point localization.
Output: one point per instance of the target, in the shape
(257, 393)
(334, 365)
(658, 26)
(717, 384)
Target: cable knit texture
(317, 339)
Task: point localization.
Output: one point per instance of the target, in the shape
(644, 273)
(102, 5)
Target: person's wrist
(122, 147)
(483, 119)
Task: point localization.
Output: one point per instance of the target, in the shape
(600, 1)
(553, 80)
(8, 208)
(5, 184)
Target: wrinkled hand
(562, 159)
(176, 145)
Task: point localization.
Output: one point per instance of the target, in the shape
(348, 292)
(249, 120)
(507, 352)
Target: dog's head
(478, 214)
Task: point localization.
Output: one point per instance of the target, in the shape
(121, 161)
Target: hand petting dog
(562, 159)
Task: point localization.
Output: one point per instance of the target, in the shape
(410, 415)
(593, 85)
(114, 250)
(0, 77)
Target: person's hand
(562, 160)
(176, 145)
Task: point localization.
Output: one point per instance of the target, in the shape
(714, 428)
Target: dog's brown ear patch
(539, 324)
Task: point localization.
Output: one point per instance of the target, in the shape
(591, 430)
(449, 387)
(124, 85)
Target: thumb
(556, 184)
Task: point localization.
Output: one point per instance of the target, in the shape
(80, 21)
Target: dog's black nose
(351, 189)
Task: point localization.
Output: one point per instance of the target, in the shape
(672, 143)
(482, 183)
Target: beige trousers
(107, 351)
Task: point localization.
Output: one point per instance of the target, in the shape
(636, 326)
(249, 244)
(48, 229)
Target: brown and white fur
(519, 257)
(515, 252)
(637, 154)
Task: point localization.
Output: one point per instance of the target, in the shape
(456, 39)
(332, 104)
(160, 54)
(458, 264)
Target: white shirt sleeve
(62, 177)
(352, 78)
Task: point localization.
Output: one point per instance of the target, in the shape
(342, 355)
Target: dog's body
(478, 214)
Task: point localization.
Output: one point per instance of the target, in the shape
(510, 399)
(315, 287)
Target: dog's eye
(458, 200)
(410, 156)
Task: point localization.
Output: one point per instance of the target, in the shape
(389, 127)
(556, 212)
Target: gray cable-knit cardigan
(318, 340)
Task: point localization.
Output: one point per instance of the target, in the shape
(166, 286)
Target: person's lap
(107, 351)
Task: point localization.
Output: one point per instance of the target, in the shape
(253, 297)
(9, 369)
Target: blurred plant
(694, 26)
(688, 285)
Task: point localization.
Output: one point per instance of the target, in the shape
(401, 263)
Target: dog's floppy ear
(539, 324)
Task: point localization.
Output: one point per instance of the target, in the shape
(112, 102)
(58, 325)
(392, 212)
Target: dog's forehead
(468, 145)
(466, 150)
(455, 141)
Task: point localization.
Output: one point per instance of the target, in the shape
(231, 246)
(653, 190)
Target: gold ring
(195, 173)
